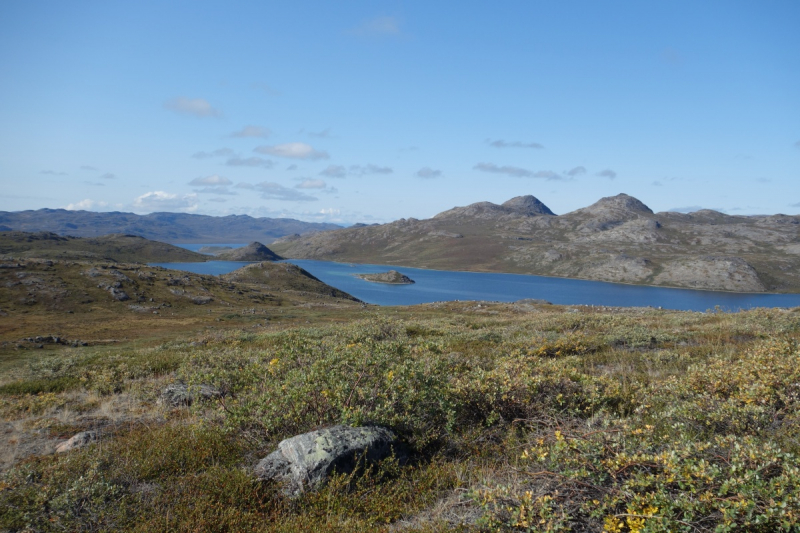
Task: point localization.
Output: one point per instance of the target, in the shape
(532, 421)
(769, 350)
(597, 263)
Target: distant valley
(617, 239)
(165, 227)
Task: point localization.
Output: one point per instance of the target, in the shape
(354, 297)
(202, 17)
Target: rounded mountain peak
(529, 205)
(622, 202)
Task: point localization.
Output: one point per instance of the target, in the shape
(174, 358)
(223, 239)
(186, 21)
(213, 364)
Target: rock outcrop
(304, 461)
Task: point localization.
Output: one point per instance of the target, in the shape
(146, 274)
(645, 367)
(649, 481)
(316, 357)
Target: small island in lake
(393, 277)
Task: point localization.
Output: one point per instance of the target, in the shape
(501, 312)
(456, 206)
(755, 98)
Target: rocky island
(392, 277)
(255, 251)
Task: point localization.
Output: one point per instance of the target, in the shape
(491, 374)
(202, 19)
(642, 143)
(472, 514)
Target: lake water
(441, 285)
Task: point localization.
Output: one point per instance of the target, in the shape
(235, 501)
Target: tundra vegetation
(518, 417)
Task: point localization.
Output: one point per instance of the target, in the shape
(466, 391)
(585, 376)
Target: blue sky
(371, 111)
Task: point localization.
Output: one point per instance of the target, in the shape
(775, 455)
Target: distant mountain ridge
(618, 238)
(165, 227)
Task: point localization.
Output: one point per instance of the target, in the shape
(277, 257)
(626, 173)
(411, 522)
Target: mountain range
(165, 227)
(616, 239)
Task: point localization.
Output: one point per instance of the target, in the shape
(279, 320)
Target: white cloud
(164, 201)
(53, 173)
(514, 144)
(309, 183)
(192, 106)
(249, 162)
(220, 152)
(378, 26)
(86, 205)
(428, 173)
(293, 151)
(244, 185)
(252, 131)
(211, 180)
(88, 167)
(217, 200)
(607, 173)
(108, 176)
(275, 191)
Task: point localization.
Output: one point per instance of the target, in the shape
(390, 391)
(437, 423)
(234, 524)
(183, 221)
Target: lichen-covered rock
(304, 461)
(77, 441)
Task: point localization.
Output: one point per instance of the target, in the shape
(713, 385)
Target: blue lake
(441, 285)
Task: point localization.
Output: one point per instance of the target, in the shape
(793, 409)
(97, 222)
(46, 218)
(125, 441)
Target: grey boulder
(305, 461)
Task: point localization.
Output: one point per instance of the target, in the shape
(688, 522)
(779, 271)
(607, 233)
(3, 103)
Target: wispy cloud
(657, 184)
(293, 150)
(323, 134)
(335, 171)
(88, 167)
(164, 201)
(251, 131)
(221, 200)
(108, 176)
(500, 143)
(216, 190)
(518, 172)
(53, 173)
(308, 183)
(797, 145)
(763, 180)
(245, 185)
(339, 171)
(577, 171)
(249, 162)
(94, 184)
(267, 89)
(275, 191)
(219, 152)
(428, 173)
(210, 180)
(197, 107)
(378, 26)
(607, 173)
(795, 205)
(86, 205)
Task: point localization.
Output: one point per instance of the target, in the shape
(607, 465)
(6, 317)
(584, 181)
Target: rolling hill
(616, 239)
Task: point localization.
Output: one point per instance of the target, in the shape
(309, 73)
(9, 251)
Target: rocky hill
(255, 251)
(166, 227)
(616, 239)
(114, 247)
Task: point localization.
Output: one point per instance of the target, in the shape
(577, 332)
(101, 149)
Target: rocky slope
(615, 239)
